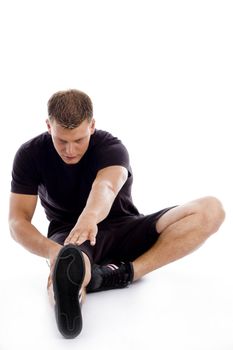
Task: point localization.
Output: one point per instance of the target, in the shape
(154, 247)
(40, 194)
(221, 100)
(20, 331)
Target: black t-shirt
(63, 189)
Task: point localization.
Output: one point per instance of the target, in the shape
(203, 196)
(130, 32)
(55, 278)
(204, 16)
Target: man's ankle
(87, 277)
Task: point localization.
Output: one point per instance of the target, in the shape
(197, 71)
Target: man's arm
(21, 211)
(104, 190)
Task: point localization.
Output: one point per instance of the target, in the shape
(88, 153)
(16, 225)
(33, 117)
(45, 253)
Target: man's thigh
(127, 238)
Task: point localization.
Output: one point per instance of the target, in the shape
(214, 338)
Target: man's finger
(92, 238)
(69, 239)
(82, 238)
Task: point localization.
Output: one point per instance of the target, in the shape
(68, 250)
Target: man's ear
(92, 126)
(48, 125)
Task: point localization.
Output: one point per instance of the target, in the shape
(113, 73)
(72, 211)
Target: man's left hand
(85, 229)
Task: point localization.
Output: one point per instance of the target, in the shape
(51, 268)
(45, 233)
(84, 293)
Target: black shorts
(124, 238)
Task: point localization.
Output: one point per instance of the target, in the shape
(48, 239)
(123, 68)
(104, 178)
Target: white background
(160, 75)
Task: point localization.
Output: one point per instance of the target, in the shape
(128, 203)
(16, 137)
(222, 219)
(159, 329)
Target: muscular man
(97, 239)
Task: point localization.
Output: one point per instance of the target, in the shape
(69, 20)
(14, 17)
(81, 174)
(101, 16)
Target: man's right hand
(53, 253)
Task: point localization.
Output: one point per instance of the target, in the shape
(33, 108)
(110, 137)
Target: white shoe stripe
(80, 297)
(113, 267)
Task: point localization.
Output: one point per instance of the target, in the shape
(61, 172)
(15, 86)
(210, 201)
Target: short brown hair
(70, 108)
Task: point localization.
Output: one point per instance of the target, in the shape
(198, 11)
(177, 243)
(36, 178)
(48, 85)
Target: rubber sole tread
(68, 275)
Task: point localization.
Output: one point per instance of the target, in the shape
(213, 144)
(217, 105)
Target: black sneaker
(68, 275)
(111, 276)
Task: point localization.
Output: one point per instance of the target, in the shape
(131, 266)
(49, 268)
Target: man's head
(70, 124)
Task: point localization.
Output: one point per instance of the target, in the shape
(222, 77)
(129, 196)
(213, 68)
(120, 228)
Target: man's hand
(85, 229)
(53, 253)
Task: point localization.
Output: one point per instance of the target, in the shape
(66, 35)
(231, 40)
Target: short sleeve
(24, 176)
(111, 152)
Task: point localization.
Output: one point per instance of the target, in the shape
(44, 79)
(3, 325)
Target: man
(97, 240)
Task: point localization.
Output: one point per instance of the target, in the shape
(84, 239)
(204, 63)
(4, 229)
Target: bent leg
(182, 230)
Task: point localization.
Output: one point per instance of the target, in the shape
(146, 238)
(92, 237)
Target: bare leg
(85, 282)
(182, 230)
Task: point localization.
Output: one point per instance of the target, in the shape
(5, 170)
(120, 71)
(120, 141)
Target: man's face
(71, 144)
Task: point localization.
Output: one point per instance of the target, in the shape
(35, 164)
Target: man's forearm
(105, 188)
(30, 238)
(99, 202)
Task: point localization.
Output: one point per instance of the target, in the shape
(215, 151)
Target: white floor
(186, 305)
(160, 75)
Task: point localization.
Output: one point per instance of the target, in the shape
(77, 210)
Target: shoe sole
(68, 275)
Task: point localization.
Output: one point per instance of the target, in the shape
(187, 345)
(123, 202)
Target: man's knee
(211, 213)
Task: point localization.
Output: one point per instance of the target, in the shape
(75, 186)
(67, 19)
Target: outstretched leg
(85, 281)
(69, 279)
(182, 230)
